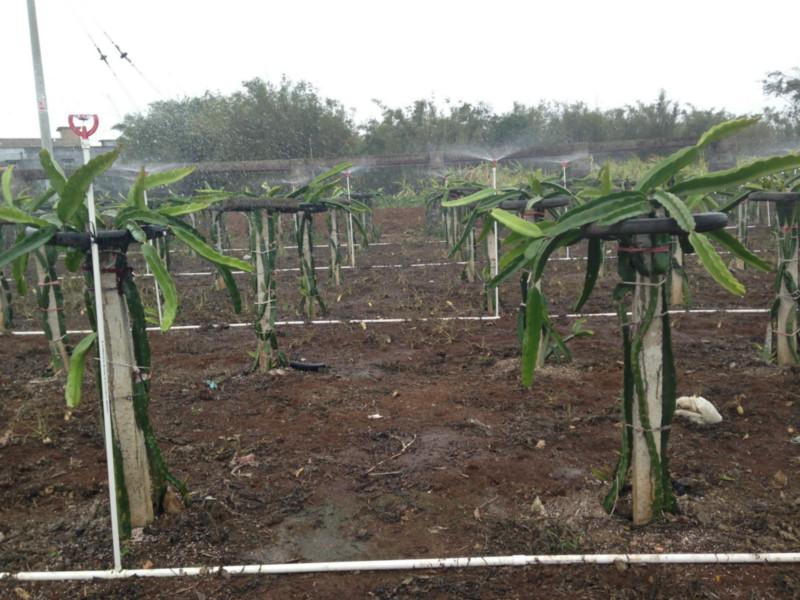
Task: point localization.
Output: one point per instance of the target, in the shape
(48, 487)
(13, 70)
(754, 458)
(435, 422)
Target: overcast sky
(606, 53)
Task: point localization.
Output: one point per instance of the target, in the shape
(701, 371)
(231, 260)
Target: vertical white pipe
(155, 281)
(494, 248)
(350, 235)
(334, 247)
(102, 351)
(564, 183)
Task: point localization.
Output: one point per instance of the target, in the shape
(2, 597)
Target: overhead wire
(104, 59)
(123, 55)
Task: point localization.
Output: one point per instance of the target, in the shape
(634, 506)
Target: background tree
(785, 86)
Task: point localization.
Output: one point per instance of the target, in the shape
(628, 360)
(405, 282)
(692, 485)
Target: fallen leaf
(537, 507)
(172, 503)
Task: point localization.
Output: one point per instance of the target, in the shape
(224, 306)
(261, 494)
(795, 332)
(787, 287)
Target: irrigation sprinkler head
(494, 163)
(80, 130)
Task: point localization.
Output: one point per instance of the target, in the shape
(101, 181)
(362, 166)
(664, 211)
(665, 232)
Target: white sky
(608, 53)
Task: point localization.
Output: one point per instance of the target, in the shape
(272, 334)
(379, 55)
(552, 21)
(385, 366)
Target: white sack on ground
(698, 410)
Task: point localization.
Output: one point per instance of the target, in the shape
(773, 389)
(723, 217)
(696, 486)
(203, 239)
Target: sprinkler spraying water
(493, 251)
(83, 133)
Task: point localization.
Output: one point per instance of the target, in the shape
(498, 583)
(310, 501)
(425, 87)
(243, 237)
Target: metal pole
(102, 351)
(38, 76)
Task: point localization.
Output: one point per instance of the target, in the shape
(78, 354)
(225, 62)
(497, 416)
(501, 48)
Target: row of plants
(58, 228)
(660, 212)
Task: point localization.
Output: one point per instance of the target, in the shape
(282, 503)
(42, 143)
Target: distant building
(24, 152)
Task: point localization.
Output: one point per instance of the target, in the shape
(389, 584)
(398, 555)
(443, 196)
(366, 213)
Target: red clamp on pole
(80, 130)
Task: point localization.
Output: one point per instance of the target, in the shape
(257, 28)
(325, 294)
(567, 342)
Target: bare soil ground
(297, 466)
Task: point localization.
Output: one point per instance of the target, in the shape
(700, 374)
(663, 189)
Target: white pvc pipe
(103, 355)
(390, 266)
(326, 245)
(389, 320)
(158, 290)
(318, 268)
(519, 560)
(494, 260)
(350, 233)
(693, 311)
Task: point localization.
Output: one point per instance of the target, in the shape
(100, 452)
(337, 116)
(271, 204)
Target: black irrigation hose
(546, 203)
(704, 222)
(307, 366)
(118, 238)
(774, 196)
(362, 195)
(246, 204)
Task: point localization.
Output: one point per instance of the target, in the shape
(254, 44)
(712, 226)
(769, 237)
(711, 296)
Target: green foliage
(77, 366)
(73, 194)
(8, 197)
(785, 86)
(534, 320)
(424, 126)
(27, 245)
(515, 223)
(263, 121)
(737, 175)
(736, 248)
(593, 263)
(713, 264)
(616, 206)
(291, 120)
(166, 284)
